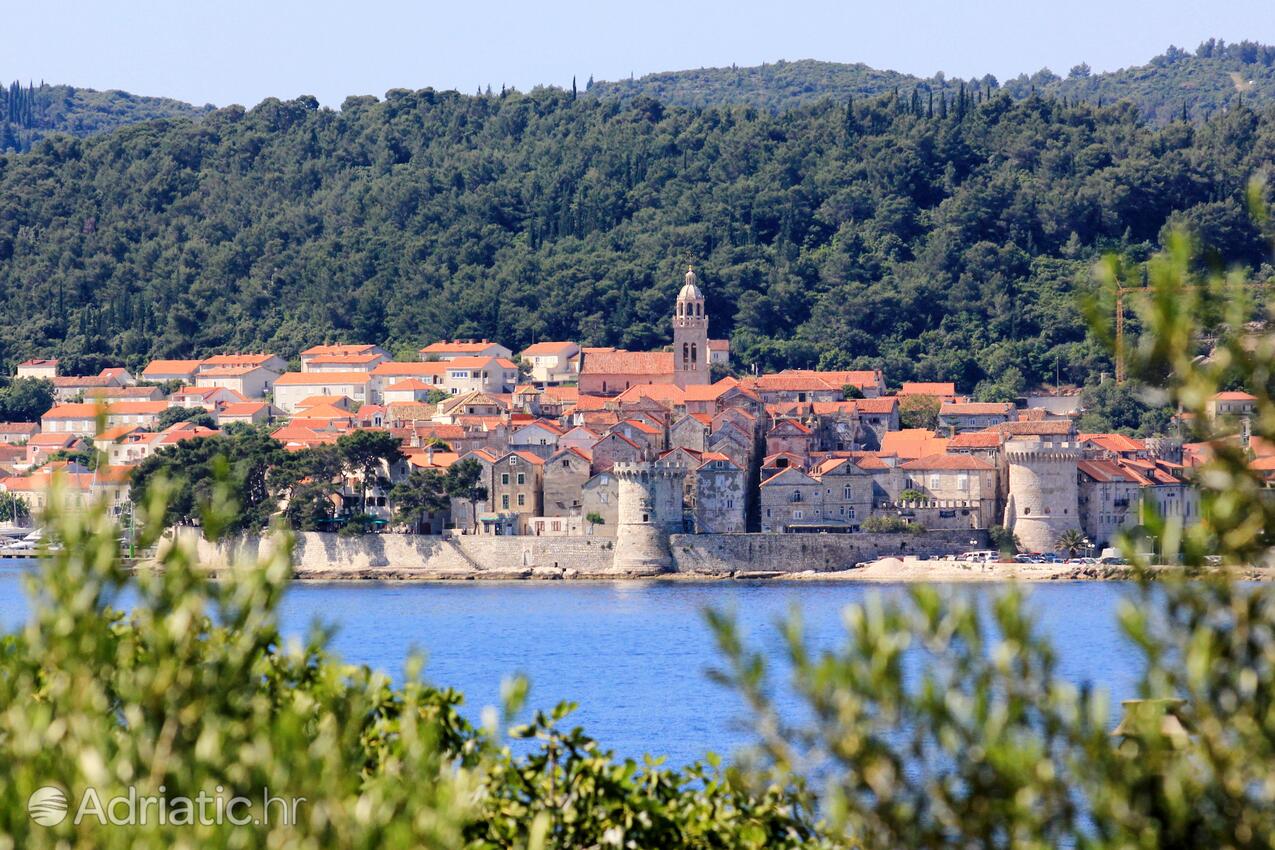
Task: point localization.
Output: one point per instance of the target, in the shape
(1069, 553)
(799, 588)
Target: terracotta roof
(549, 349)
(51, 439)
(670, 394)
(949, 461)
(170, 367)
(644, 427)
(1105, 471)
(314, 379)
(35, 361)
(934, 388)
(422, 458)
(1117, 443)
(976, 408)
(338, 349)
(1047, 428)
(71, 381)
(911, 443)
(226, 371)
(253, 360)
(884, 404)
(544, 424)
(561, 394)
(19, 428)
(977, 440)
(479, 362)
(527, 456)
(839, 377)
(241, 408)
(342, 359)
(789, 423)
(1234, 395)
(456, 345)
(628, 363)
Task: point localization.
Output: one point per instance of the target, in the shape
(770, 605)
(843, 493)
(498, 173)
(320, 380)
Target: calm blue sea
(633, 655)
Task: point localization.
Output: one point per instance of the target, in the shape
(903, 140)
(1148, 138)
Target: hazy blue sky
(240, 51)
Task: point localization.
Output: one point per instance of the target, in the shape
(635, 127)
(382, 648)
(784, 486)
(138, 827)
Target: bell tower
(690, 335)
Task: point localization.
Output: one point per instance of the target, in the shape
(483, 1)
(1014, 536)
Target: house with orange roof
(77, 488)
(292, 388)
(41, 447)
(1112, 445)
(162, 371)
(364, 362)
(407, 390)
(720, 499)
(244, 412)
(431, 372)
(38, 368)
(17, 433)
(960, 490)
(611, 372)
(1233, 404)
(342, 357)
(73, 388)
(251, 375)
(649, 436)
(82, 418)
(815, 385)
(791, 436)
(1109, 498)
(578, 437)
(540, 437)
(482, 373)
(552, 362)
(456, 348)
(206, 397)
(850, 488)
(956, 417)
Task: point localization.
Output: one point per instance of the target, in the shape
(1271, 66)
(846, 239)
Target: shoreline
(882, 571)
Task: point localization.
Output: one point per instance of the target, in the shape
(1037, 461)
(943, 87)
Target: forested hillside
(1216, 76)
(944, 246)
(29, 113)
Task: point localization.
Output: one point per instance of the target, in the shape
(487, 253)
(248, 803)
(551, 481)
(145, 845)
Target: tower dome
(690, 289)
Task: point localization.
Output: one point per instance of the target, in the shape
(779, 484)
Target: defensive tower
(649, 509)
(1043, 499)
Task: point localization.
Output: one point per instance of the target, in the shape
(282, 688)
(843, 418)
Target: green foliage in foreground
(196, 689)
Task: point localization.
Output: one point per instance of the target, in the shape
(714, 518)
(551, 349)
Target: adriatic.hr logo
(47, 805)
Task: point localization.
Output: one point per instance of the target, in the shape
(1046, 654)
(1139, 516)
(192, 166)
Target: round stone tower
(650, 507)
(1043, 499)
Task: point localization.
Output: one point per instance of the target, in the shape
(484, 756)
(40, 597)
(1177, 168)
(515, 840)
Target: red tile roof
(950, 461)
(934, 388)
(912, 443)
(976, 408)
(628, 363)
(549, 349)
(977, 440)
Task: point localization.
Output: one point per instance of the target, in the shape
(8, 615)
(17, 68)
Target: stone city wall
(319, 555)
(728, 553)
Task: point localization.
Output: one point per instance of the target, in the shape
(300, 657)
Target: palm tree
(1071, 541)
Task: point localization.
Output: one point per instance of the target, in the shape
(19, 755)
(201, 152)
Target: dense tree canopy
(1216, 76)
(875, 234)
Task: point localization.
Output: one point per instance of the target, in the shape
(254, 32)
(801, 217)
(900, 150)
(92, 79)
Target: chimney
(429, 454)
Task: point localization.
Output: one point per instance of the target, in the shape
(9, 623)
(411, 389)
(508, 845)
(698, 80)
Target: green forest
(1215, 76)
(29, 113)
(937, 238)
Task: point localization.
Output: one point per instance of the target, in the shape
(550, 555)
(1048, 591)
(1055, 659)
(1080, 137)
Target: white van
(982, 556)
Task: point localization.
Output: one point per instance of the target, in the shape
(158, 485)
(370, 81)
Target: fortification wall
(729, 553)
(389, 556)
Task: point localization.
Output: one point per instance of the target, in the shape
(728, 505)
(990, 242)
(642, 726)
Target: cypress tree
(929, 110)
(573, 87)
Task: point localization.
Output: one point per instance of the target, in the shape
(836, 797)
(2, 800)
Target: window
(851, 514)
(934, 482)
(962, 481)
(504, 478)
(522, 478)
(796, 496)
(847, 492)
(797, 514)
(522, 500)
(504, 502)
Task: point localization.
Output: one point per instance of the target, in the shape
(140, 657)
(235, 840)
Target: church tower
(690, 335)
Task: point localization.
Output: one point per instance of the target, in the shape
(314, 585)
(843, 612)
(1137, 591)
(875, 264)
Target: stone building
(957, 417)
(690, 335)
(565, 474)
(614, 448)
(517, 485)
(691, 432)
(600, 496)
(1108, 498)
(790, 497)
(849, 488)
(789, 435)
(720, 496)
(961, 487)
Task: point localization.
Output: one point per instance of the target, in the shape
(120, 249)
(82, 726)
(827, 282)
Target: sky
(242, 51)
